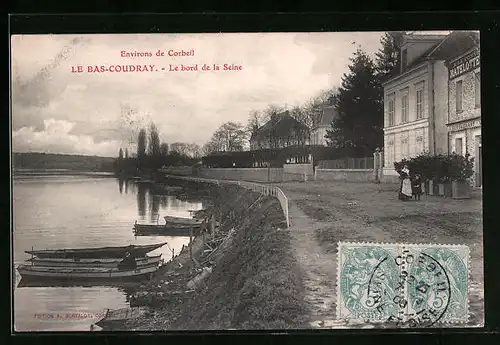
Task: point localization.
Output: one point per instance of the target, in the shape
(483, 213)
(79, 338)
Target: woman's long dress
(405, 191)
(406, 188)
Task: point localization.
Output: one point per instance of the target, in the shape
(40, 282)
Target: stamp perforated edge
(367, 244)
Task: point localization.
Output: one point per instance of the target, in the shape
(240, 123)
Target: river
(81, 211)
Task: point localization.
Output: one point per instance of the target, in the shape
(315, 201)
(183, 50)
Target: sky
(55, 109)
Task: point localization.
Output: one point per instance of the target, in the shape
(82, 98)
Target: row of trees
(233, 136)
(359, 101)
(152, 154)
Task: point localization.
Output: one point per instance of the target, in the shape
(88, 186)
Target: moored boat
(40, 272)
(114, 319)
(182, 221)
(152, 229)
(99, 253)
(92, 262)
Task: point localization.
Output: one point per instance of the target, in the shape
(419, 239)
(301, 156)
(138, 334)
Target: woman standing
(405, 192)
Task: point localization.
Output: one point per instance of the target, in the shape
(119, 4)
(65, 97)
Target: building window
(391, 112)
(391, 157)
(420, 104)
(405, 148)
(404, 59)
(459, 146)
(478, 89)
(404, 108)
(459, 94)
(419, 144)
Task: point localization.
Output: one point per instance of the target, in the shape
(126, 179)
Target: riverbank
(23, 173)
(255, 281)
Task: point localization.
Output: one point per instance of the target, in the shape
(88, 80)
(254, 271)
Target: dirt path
(319, 269)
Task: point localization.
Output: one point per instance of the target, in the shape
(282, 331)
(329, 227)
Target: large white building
(417, 100)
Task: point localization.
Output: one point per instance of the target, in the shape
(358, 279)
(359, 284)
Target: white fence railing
(264, 189)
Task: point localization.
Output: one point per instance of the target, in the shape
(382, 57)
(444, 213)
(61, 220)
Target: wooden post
(191, 243)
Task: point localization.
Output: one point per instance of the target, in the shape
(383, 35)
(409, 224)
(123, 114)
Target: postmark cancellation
(407, 285)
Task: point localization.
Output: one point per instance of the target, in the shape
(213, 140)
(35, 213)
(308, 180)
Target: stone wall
(243, 174)
(348, 175)
(469, 108)
(299, 169)
(178, 170)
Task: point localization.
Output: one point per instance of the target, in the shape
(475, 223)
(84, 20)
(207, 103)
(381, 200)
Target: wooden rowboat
(100, 253)
(40, 272)
(165, 230)
(181, 221)
(105, 263)
(116, 319)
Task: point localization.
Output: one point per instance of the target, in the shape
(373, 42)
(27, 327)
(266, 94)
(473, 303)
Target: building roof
(446, 48)
(326, 116)
(280, 128)
(428, 38)
(455, 44)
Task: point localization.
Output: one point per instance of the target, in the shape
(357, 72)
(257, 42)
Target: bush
(439, 168)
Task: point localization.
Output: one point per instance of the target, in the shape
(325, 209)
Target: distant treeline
(62, 161)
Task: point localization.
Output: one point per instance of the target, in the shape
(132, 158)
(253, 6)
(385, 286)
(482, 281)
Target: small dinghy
(41, 272)
(97, 263)
(97, 253)
(116, 319)
(181, 221)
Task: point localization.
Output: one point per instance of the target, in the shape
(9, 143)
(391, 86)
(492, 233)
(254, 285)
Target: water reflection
(127, 288)
(151, 204)
(67, 212)
(154, 207)
(141, 199)
(164, 201)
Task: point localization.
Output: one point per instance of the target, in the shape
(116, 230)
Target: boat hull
(36, 272)
(182, 221)
(105, 263)
(116, 319)
(97, 253)
(146, 229)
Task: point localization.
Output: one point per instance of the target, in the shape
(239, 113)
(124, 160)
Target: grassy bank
(255, 282)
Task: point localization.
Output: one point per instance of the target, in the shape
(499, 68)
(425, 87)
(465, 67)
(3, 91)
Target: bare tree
(180, 147)
(311, 111)
(207, 149)
(194, 150)
(255, 121)
(230, 137)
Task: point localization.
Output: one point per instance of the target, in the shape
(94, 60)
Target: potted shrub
(463, 169)
(447, 165)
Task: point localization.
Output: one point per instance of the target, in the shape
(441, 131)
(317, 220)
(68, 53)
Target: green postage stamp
(414, 285)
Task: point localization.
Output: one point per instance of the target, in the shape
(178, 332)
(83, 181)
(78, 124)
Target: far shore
(44, 172)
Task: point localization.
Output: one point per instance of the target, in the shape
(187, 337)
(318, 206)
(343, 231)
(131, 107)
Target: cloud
(56, 138)
(278, 68)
